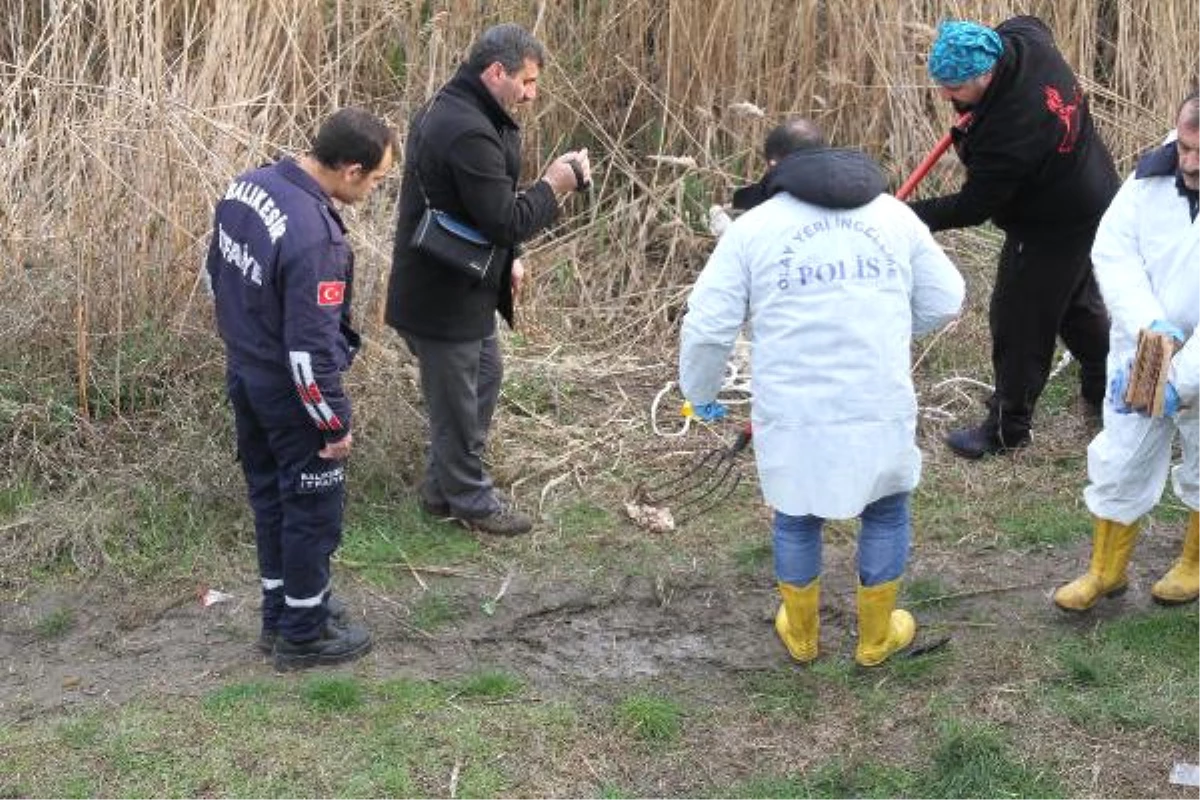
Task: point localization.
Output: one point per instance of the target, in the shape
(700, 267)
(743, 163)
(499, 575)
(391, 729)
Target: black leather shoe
(339, 615)
(982, 440)
(334, 645)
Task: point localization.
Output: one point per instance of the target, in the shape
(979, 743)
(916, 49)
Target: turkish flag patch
(331, 293)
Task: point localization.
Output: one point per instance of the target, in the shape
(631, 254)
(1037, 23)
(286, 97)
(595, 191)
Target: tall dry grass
(122, 120)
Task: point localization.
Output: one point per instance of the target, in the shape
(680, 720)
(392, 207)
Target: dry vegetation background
(122, 120)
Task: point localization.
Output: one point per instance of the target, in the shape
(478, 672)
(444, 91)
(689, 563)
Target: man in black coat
(1037, 168)
(463, 157)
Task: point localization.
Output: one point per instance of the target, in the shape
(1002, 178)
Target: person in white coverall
(1147, 262)
(834, 277)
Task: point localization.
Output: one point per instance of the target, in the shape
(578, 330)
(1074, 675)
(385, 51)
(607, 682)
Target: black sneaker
(983, 440)
(334, 646)
(505, 522)
(339, 616)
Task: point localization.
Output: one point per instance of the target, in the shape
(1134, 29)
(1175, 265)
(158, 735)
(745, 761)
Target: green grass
(490, 684)
(332, 693)
(168, 533)
(249, 699)
(365, 739)
(1134, 673)
(381, 542)
(752, 557)
(583, 519)
(15, 495)
(609, 792)
(538, 394)
(976, 760)
(1170, 513)
(927, 592)
(409, 696)
(650, 717)
(783, 692)
(1045, 522)
(80, 732)
(434, 609)
(833, 779)
(1060, 394)
(942, 514)
(55, 624)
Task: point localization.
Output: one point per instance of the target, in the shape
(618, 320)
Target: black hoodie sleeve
(993, 179)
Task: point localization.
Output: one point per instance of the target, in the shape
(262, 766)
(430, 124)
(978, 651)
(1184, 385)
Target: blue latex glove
(1162, 326)
(709, 412)
(1116, 389)
(1170, 400)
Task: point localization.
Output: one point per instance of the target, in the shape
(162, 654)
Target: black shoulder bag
(449, 240)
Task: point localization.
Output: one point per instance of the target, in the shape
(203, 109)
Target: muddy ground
(124, 643)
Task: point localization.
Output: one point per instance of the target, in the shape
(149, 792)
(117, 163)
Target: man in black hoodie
(463, 157)
(1037, 168)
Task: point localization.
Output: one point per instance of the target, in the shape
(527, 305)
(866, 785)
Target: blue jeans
(882, 543)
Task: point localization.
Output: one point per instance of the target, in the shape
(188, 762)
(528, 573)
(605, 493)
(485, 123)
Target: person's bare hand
(562, 176)
(337, 451)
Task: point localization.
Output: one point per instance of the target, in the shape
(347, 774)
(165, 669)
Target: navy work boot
(985, 439)
(333, 645)
(339, 616)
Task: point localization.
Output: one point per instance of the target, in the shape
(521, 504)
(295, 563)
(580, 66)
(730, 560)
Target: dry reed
(122, 120)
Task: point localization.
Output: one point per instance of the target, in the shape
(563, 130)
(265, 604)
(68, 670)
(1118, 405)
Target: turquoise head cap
(963, 50)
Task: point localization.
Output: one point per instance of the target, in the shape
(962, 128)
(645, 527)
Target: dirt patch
(124, 645)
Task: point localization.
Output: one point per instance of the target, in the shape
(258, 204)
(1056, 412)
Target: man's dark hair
(792, 136)
(353, 136)
(1189, 111)
(510, 44)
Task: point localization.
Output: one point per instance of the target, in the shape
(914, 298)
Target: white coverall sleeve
(1120, 269)
(716, 311)
(1185, 372)
(938, 289)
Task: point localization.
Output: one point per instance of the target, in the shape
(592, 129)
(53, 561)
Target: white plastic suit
(833, 298)
(1147, 262)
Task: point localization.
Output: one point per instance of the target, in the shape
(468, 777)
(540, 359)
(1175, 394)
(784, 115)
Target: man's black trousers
(1044, 289)
(297, 498)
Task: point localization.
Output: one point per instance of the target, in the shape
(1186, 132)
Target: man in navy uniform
(282, 274)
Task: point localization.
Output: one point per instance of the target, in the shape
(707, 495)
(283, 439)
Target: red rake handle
(935, 154)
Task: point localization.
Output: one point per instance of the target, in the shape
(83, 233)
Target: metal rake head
(701, 486)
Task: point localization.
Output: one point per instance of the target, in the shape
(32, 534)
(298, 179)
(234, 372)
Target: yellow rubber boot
(1181, 584)
(798, 621)
(1112, 544)
(883, 629)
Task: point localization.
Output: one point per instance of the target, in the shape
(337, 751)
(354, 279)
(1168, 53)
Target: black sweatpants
(1044, 289)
